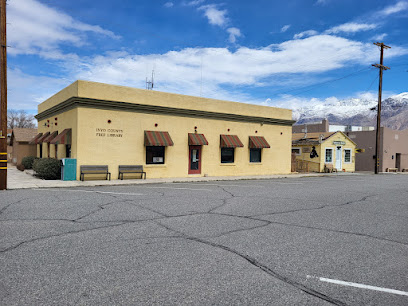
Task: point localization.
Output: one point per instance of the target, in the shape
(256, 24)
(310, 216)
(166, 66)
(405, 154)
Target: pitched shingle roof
(22, 135)
(311, 138)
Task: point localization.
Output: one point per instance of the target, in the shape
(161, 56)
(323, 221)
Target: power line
(317, 85)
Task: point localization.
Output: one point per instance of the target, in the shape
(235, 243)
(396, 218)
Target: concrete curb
(34, 182)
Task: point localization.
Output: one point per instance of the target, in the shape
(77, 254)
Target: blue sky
(277, 53)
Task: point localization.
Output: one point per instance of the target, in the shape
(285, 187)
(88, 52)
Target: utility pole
(378, 132)
(3, 97)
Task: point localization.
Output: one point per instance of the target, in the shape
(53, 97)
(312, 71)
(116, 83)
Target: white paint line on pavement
(93, 191)
(162, 187)
(362, 286)
(201, 184)
(281, 183)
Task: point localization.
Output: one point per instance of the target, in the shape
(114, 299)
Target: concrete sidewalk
(24, 179)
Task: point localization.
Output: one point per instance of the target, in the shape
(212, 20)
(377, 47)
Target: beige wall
(66, 120)
(109, 92)
(394, 142)
(314, 163)
(317, 164)
(20, 150)
(328, 143)
(129, 149)
(312, 127)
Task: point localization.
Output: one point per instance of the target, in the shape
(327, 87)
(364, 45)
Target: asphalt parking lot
(301, 241)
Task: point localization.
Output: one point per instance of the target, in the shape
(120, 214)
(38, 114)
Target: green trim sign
(337, 143)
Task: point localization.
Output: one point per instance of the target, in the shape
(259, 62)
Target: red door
(194, 163)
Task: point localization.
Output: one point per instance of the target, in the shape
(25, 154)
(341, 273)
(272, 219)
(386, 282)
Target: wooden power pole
(378, 132)
(3, 97)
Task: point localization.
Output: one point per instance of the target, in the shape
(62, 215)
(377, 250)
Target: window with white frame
(297, 151)
(329, 156)
(347, 155)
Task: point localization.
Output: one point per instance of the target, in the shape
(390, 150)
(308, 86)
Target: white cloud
(169, 4)
(351, 27)
(193, 3)
(322, 2)
(233, 34)
(379, 37)
(285, 28)
(37, 29)
(214, 15)
(180, 71)
(392, 9)
(27, 91)
(305, 34)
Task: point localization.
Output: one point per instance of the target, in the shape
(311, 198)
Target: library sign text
(115, 133)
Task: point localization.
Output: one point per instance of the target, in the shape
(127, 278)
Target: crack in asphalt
(13, 203)
(305, 226)
(57, 235)
(182, 235)
(100, 207)
(224, 201)
(316, 208)
(339, 231)
(259, 265)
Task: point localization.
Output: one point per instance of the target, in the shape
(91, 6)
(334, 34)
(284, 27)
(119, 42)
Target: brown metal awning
(41, 139)
(63, 138)
(50, 137)
(195, 139)
(230, 141)
(157, 139)
(36, 138)
(258, 142)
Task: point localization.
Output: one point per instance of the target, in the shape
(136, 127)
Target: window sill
(228, 164)
(255, 164)
(156, 166)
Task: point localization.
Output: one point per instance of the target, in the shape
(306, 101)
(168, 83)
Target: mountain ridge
(359, 112)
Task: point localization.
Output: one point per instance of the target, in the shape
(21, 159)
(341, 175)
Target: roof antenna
(150, 84)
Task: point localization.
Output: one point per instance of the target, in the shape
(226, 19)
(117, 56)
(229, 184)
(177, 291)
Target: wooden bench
(391, 170)
(405, 170)
(131, 169)
(94, 169)
(328, 168)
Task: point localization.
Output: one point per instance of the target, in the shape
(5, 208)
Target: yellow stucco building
(333, 149)
(170, 135)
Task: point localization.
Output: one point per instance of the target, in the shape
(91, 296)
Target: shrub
(35, 163)
(47, 168)
(28, 161)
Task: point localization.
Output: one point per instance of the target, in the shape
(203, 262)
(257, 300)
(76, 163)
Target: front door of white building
(339, 158)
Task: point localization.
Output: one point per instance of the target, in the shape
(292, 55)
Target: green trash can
(68, 169)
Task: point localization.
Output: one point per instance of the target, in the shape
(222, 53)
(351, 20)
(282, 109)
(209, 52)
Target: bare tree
(19, 119)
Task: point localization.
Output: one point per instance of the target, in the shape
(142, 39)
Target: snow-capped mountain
(362, 112)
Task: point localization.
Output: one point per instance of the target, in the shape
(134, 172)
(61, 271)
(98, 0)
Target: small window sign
(157, 159)
(339, 143)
